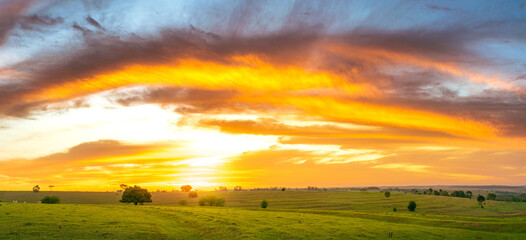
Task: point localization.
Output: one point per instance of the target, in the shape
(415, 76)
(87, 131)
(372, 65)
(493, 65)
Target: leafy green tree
(411, 206)
(492, 196)
(436, 193)
(264, 204)
(50, 199)
(192, 194)
(481, 199)
(469, 194)
(458, 194)
(36, 188)
(186, 188)
(387, 194)
(444, 193)
(283, 189)
(136, 195)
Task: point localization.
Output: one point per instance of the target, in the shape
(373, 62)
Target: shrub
(411, 206)
(387, 194)
(183, 202)
(192, 194)
(264, 204)
(394, 209)
(50, 199)
(492, 196)
(212, 201)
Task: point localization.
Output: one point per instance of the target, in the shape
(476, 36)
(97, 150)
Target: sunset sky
(261, 93)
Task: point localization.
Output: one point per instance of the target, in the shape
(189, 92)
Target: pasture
(290, 215)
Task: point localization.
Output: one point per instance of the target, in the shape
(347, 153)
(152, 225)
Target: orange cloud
(102, 164)
(370, 114)
(247, 74)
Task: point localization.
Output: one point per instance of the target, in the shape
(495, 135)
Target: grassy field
(290, 215)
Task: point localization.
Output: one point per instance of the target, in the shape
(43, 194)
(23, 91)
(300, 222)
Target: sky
(261, 93)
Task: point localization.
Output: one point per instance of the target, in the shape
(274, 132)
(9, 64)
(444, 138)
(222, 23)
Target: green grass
(290, 215)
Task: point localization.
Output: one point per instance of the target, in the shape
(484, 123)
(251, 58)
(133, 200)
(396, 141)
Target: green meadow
(290, 215)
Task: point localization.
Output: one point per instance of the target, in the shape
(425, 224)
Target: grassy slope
(291, 215)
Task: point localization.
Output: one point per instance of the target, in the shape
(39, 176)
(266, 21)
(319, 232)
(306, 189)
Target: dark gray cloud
(434, 7)
(188, 99)
(94, 23)
(10, 13)
(34, 22)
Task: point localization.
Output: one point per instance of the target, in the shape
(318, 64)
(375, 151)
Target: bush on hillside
(50, 199)
(264, 204)
(212, 201)
(492, 196)
(192, 194)
(183, 202)
(411, 206)
(387, 194)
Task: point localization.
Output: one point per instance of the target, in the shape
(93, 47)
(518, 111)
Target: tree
(481, 200)
(124, 186)
(436, 193)
(222, 188)
(458, 194)
(51, 187)
(411, 206)
(136, 195)
(283, 189)
(186, 188)
(492, 196)
(429, 191)
(469, 194)
(238, 188)
(36, 188)
(183, 202)
(444, 193)
(264, 204)
(192, 194)
(50, 199)
(387, 194)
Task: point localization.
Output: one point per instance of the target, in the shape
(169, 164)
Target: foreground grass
(70, 221)
(291, 215)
